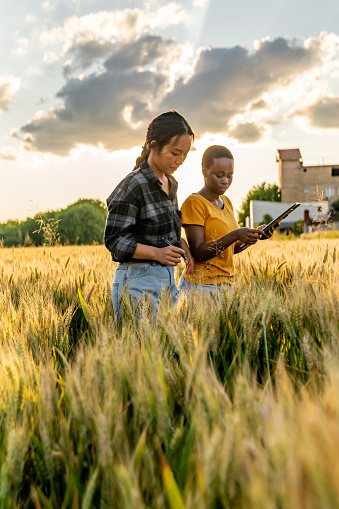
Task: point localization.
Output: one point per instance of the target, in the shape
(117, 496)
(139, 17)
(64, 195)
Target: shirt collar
(152, 177)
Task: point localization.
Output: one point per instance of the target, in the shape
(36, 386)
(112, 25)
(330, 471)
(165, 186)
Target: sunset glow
(80, 81)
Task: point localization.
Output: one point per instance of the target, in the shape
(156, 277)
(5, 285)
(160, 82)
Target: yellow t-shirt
(216, 222)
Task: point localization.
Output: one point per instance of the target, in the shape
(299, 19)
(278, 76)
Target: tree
(264, 192)
(10, 233)
(334, 209)
(82, 222)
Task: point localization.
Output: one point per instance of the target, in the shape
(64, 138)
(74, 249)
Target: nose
(180, 159)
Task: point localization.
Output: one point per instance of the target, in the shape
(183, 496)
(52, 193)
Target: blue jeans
(187, 287)
(141, 278)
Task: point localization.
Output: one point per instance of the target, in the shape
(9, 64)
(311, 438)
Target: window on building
(329, 191)
(305, 190)
(335, 172)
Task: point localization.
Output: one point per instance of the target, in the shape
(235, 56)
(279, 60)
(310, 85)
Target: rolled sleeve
(119, 238)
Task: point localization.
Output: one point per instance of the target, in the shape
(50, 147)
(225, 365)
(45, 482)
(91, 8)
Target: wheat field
(218, 403)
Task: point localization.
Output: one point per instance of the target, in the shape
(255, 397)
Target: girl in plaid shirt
(143, 227)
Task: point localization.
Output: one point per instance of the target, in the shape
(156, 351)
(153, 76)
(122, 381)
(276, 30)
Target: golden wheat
(230, 402)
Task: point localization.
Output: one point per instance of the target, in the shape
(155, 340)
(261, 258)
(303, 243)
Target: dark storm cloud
(226, 80)
(247, 132)
(323, 114)
(224, 83)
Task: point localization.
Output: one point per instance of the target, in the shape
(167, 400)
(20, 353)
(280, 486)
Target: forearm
(144, 252)
(208, 250)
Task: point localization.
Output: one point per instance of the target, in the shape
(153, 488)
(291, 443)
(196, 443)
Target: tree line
(82, 222)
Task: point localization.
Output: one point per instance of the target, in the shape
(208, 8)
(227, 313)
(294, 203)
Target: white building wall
(258, 208)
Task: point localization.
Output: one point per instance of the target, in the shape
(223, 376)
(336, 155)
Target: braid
(143, 156)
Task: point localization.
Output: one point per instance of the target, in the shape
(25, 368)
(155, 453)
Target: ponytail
(143, 156)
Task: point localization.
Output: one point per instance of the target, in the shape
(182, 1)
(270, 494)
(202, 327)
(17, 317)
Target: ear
(204, 171)
(153, 145)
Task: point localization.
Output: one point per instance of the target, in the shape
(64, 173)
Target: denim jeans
(141, 278)
(187, 287)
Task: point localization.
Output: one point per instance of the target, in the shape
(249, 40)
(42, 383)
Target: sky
(81, 79)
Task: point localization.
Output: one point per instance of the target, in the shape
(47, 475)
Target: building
(306, 183)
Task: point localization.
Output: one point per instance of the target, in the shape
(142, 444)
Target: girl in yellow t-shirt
(212, 231)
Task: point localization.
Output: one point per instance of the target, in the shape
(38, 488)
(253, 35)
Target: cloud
(109, 108)
(94, 113)
(225, 81)
(22, 46)
(50, 57)
(247, 132)
(85, 52)
(117, 57)
(145, 51)
(117, 25)
(112, 106)
(8, 154)
(259, 105)
(323, 114)
(9, 86)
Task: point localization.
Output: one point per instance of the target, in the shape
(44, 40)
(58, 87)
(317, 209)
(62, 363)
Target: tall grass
(230, 402)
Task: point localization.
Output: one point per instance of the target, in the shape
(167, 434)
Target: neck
(209, 195)
(160, 174)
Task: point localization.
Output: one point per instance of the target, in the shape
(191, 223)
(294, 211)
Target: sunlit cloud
(8, 154)
(231, 91)
(225, 81)
(9, 86)
(117, 25)
(248, 132)
(22, 46)
(47, 5)
(323, 113)
(50, 57)
(29, 18)
(200, 3)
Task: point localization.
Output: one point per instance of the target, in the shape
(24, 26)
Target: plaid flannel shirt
(139, 211)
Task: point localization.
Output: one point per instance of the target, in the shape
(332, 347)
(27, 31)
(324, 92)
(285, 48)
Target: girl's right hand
(249, 235)
(169, 255)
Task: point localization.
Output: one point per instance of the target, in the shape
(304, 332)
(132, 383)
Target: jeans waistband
(125, 265)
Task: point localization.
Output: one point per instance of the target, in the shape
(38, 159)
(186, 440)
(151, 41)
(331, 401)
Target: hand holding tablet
(274, 222)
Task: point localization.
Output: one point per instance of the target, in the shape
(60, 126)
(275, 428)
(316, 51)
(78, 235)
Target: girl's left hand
(190, 261)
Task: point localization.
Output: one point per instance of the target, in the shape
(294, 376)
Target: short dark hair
(215, 152)
(161, 130)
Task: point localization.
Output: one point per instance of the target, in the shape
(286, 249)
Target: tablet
(274, 222)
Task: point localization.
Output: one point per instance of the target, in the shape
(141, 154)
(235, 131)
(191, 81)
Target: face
(172, 155)
(219, 176)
